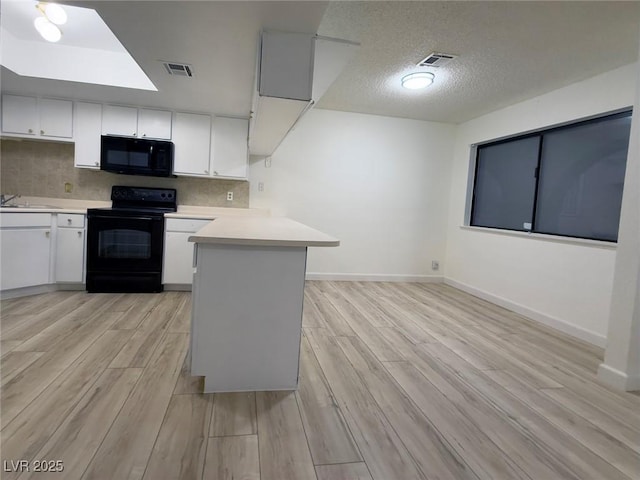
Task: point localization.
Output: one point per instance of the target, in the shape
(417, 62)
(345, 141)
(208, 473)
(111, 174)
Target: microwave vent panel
(436, 60)
(178, 69)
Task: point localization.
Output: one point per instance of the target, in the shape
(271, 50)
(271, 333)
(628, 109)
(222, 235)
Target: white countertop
(262, 231)
(62, 205)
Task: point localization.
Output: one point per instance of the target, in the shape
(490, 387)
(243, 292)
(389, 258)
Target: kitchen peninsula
(248, 292)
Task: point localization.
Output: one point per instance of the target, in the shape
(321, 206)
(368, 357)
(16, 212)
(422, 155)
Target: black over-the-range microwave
(136, 156)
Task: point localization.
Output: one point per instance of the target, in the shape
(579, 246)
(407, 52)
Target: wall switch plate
(261, 186)
(68, 187)
(435, 265)
(267, 162)
(229, 196)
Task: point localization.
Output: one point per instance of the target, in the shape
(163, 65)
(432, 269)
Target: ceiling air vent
(179, 69)
(436, 60)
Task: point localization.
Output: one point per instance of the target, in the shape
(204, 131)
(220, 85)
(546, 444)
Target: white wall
(566, 285)
(379, 184)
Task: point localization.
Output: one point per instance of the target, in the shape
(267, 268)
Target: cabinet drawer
(70, 220)
(25, 220)
(190, 225)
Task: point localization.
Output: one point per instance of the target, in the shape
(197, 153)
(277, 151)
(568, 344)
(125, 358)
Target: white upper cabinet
(56, 118)
(30, 116)
(134, 122)
(154, 124)
(192, 142)
(229, 153)
(118, 120)
(294, 71)
(19, 114)
(87, 127)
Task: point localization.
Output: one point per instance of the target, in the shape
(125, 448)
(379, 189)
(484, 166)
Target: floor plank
(327, 433)
(30, 383)
(233, 414)
(127, 447)
(30, 430)
(383, 451)
(283, 447)
(433, 454)
(15, 362)
(233, 458)
(80, 435)
(179, 452)
(344, 471)
(601, 443)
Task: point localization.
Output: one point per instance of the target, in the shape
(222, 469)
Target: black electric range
(125, 243)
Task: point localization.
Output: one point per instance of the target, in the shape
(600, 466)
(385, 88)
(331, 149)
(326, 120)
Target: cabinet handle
(41, 132)
(215, 172)
(79, 234)
(206, 171)
(144, 134)
(97, 164)
(47, 234)
(31, 130)
(69, 221)
(134, 134)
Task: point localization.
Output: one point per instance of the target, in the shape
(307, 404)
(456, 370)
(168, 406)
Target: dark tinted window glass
(581, 179)
(505, 184)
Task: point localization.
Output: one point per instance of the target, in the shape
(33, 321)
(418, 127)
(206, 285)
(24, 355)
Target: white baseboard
(617, 379)
(26, 291)
(568, 328)
(374, 277)
(177, 287)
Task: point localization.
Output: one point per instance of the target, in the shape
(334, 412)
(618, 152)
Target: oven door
(131, 243)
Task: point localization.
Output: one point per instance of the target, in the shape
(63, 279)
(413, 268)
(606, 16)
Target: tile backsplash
(41, 169)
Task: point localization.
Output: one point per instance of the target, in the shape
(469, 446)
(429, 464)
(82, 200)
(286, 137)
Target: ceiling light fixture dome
(55, 13)
(48, 31)
(52, 16)
(417, 80)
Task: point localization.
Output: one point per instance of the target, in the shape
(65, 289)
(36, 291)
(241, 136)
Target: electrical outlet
(435, 265)
(229, 196)
(68, 187)
(267, 162)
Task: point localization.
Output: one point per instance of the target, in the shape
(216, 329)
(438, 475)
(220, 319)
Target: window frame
(473, 172)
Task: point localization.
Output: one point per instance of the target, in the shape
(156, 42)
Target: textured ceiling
(508, 51)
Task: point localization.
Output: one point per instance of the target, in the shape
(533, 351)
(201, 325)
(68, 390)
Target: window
(561, 181)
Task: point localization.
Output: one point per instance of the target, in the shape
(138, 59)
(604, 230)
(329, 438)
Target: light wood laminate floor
(398, 381)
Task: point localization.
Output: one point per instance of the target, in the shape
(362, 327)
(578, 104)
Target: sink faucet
(4, 200)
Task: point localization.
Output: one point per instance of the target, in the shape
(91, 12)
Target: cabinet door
(70, 255)
(119, 121)
(192, 140)
(19, 114)
(25, 257)
(229, 157)
(87, 130)
(56, 118)
(154, 124)
(178, 258)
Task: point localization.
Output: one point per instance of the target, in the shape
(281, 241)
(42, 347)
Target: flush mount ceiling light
(417, 80)
(47, 25)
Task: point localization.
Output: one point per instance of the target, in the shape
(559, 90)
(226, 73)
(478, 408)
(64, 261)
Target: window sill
(547, 238)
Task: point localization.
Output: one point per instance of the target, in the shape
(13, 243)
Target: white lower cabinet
(178, 250)
(25, 250)
(70, 246)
